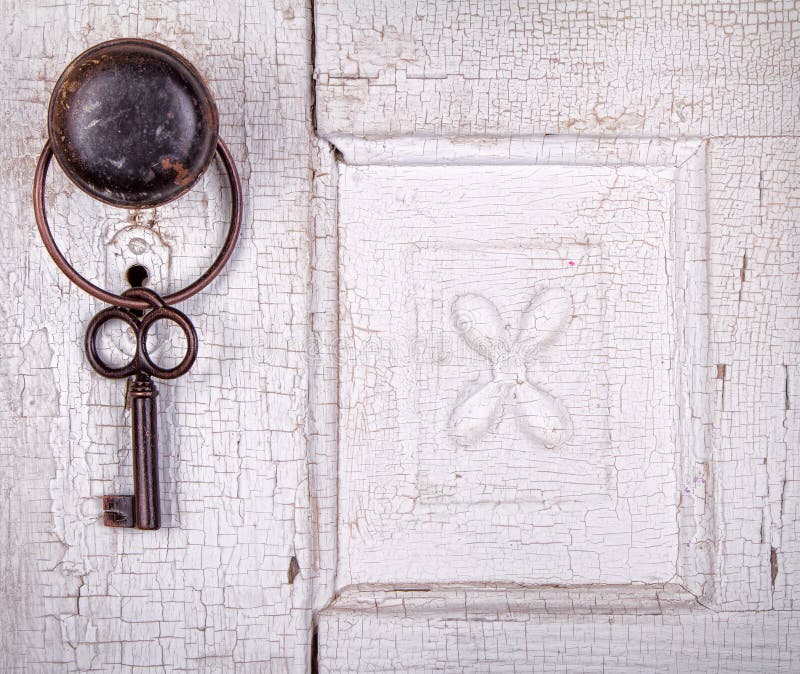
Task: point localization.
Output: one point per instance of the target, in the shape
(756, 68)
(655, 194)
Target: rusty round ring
(119, 300)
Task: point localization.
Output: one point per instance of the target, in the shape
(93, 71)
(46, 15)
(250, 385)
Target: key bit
(119, 511)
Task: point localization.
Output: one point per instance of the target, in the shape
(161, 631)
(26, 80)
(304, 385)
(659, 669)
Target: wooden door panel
(497, 68)
(549, 630)
(419, 227)
(224, 585)
(471, 144)
(616, 491)
(517, 359)
(754, 210)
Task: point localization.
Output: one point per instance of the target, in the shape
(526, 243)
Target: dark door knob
(132, 123)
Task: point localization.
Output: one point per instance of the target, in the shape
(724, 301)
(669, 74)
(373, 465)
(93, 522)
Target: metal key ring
(133, 124)
(193, 288)
(141, 361)
(146, 364)
(90, 342)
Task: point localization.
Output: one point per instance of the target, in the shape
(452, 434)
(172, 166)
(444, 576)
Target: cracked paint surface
(291, 462)
(735, 477)
(224, 586)
(541, 417)
(402, 87)
(461, 67)
(418, 242)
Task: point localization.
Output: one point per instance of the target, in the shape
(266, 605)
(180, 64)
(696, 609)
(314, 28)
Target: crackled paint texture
(318, 463)
(502, 67)
(514, 381)
(224, 587)
(463, 461)
(484, 148)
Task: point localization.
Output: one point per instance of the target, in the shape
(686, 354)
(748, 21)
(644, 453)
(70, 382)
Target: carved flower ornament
(512, 353)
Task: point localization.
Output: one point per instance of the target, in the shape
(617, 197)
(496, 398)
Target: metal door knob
(132, 123)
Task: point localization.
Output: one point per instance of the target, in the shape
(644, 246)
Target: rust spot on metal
(119, 511)
(132, 124)
(182, 175)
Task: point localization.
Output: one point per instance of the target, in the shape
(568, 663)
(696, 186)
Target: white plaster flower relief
(513, 388)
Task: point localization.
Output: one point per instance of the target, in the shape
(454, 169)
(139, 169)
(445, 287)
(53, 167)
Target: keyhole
(137, 276)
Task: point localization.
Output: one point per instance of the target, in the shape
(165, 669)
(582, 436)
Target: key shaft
(144, 433)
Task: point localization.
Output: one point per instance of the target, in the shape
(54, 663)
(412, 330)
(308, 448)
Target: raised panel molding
(524, 386)
(465, 630)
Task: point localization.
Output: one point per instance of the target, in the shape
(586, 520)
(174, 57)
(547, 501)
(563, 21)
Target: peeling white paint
(431, 137)
(641, 158)
(209, 592)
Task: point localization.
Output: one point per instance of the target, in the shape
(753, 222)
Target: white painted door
(225, 585)
(561, 240)
(500, 379)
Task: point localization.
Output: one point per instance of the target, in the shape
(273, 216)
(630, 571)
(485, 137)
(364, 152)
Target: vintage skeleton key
(133, 124)
(143, 509)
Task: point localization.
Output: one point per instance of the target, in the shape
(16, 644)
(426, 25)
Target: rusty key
(143, 509)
